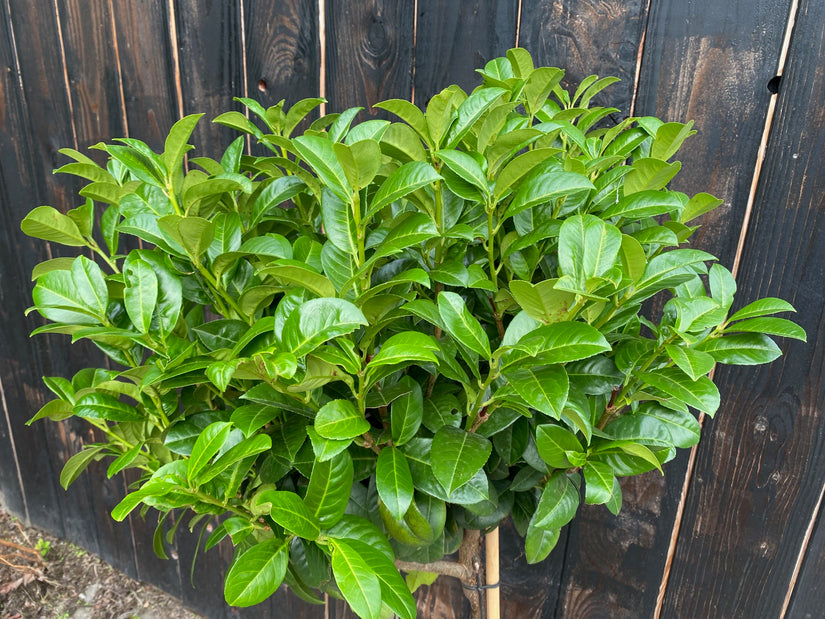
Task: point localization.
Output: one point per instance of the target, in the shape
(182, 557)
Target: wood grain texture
(455, 38)
(369, 54)
(760, 467)
(211, 68)
(711, 62)
(586, 37)
(809, 589)
(147, 69)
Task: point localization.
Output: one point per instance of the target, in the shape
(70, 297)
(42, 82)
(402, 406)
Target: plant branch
(443, 568)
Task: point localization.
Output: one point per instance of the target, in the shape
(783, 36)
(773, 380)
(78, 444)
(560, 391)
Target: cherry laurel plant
(354, 352)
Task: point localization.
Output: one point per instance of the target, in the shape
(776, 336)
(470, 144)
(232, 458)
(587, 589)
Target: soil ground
(42, 577)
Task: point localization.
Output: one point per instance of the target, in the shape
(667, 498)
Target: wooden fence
(735, 528)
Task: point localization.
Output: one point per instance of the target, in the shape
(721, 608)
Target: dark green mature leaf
(692, 362)
(329, 488)
(555, 444)
(539, 543)
(563, 341)
(406, 412)
(339, 224)
(656, 426)
(762, 307)
(557, 505)
(411, 230)
(394, 481)
(339, 420)
(466, 168)
(356, 580)
(457, 456)
(404, 348)
(701, 394)
(461, 324)
(643, 204)
(77, 464)
(543, 387)
(256, 573)
(669, 269)
(97, 405)
(599, 482)
(769, 326)
(394, 591)
(318, 320)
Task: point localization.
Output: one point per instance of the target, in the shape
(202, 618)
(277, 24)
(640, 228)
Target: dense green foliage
(382, 334)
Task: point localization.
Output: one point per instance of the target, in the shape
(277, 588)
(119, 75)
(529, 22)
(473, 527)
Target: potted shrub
(358, 351)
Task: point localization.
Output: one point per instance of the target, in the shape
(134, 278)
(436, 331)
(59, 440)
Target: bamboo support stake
(492, 571)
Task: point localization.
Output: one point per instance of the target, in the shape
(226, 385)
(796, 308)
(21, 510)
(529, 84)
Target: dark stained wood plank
(144, 49)
(586, 37)
(282, 50)
(614, 565)
(369, 48)
(711, 62)
(759, 472)
(455, 38)
(211, 67)
(808, 595)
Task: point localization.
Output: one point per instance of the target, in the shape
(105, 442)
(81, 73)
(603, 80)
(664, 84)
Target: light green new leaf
(408, 112)
(241, 451)
(320, 155)
(318, 320)
(561, 342)
(339, 224)
(542, 301)
(698, 205)
(256, 573)
(701, 394)
(456, 456)
(394, 481)
(49, 224)
(408, 178)
(650, 174)
(471, 110)
(251, 417)
(588, 247)
(194, 234)
(539, 542)
(656, 426)
(176, 143)
(141, 294)
(544, 388)
(339, 420)
(356, 580)
(209, 443)
(546, 188)
(762, 307)
(394, 591)
(669, 137)
(643, 204)
(461, 324)
(668, 270)
(411, 230)
(407, 347)
(77, 464)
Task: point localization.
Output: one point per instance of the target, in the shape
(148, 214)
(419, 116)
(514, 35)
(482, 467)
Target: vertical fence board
(759, 472)
(809, 589)
(586, 38)
(211, 68)
(455, 38)
(369, 48)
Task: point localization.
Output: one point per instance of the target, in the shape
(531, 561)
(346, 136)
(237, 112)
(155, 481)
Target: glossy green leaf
(741, 349)
(256, 573)
(394, 591)
(544, 388)
(320, 155)
(539, 542)
(692, 362)
(413, 229)
(339, 420)
(643, 204)
(104, 406)
(650, 174)
(209, 443)
(408, 178)
(558, 503)
(404, 348)
(546, 188)
(289, 511)
(457, 456)
(563, 341)
(394, 481)
(762, 307)
(588, 247)
(555, 444)
(141, 294)
(598, 483)
(176, 144)
(542, 301)
(329, 488)
(318, 320)
(466, 168)
(769, 326)
(356, 580)
(701, 394)
(461, 324)
(406, 413)
(49, 224)
(655, 425)
(77, 464)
